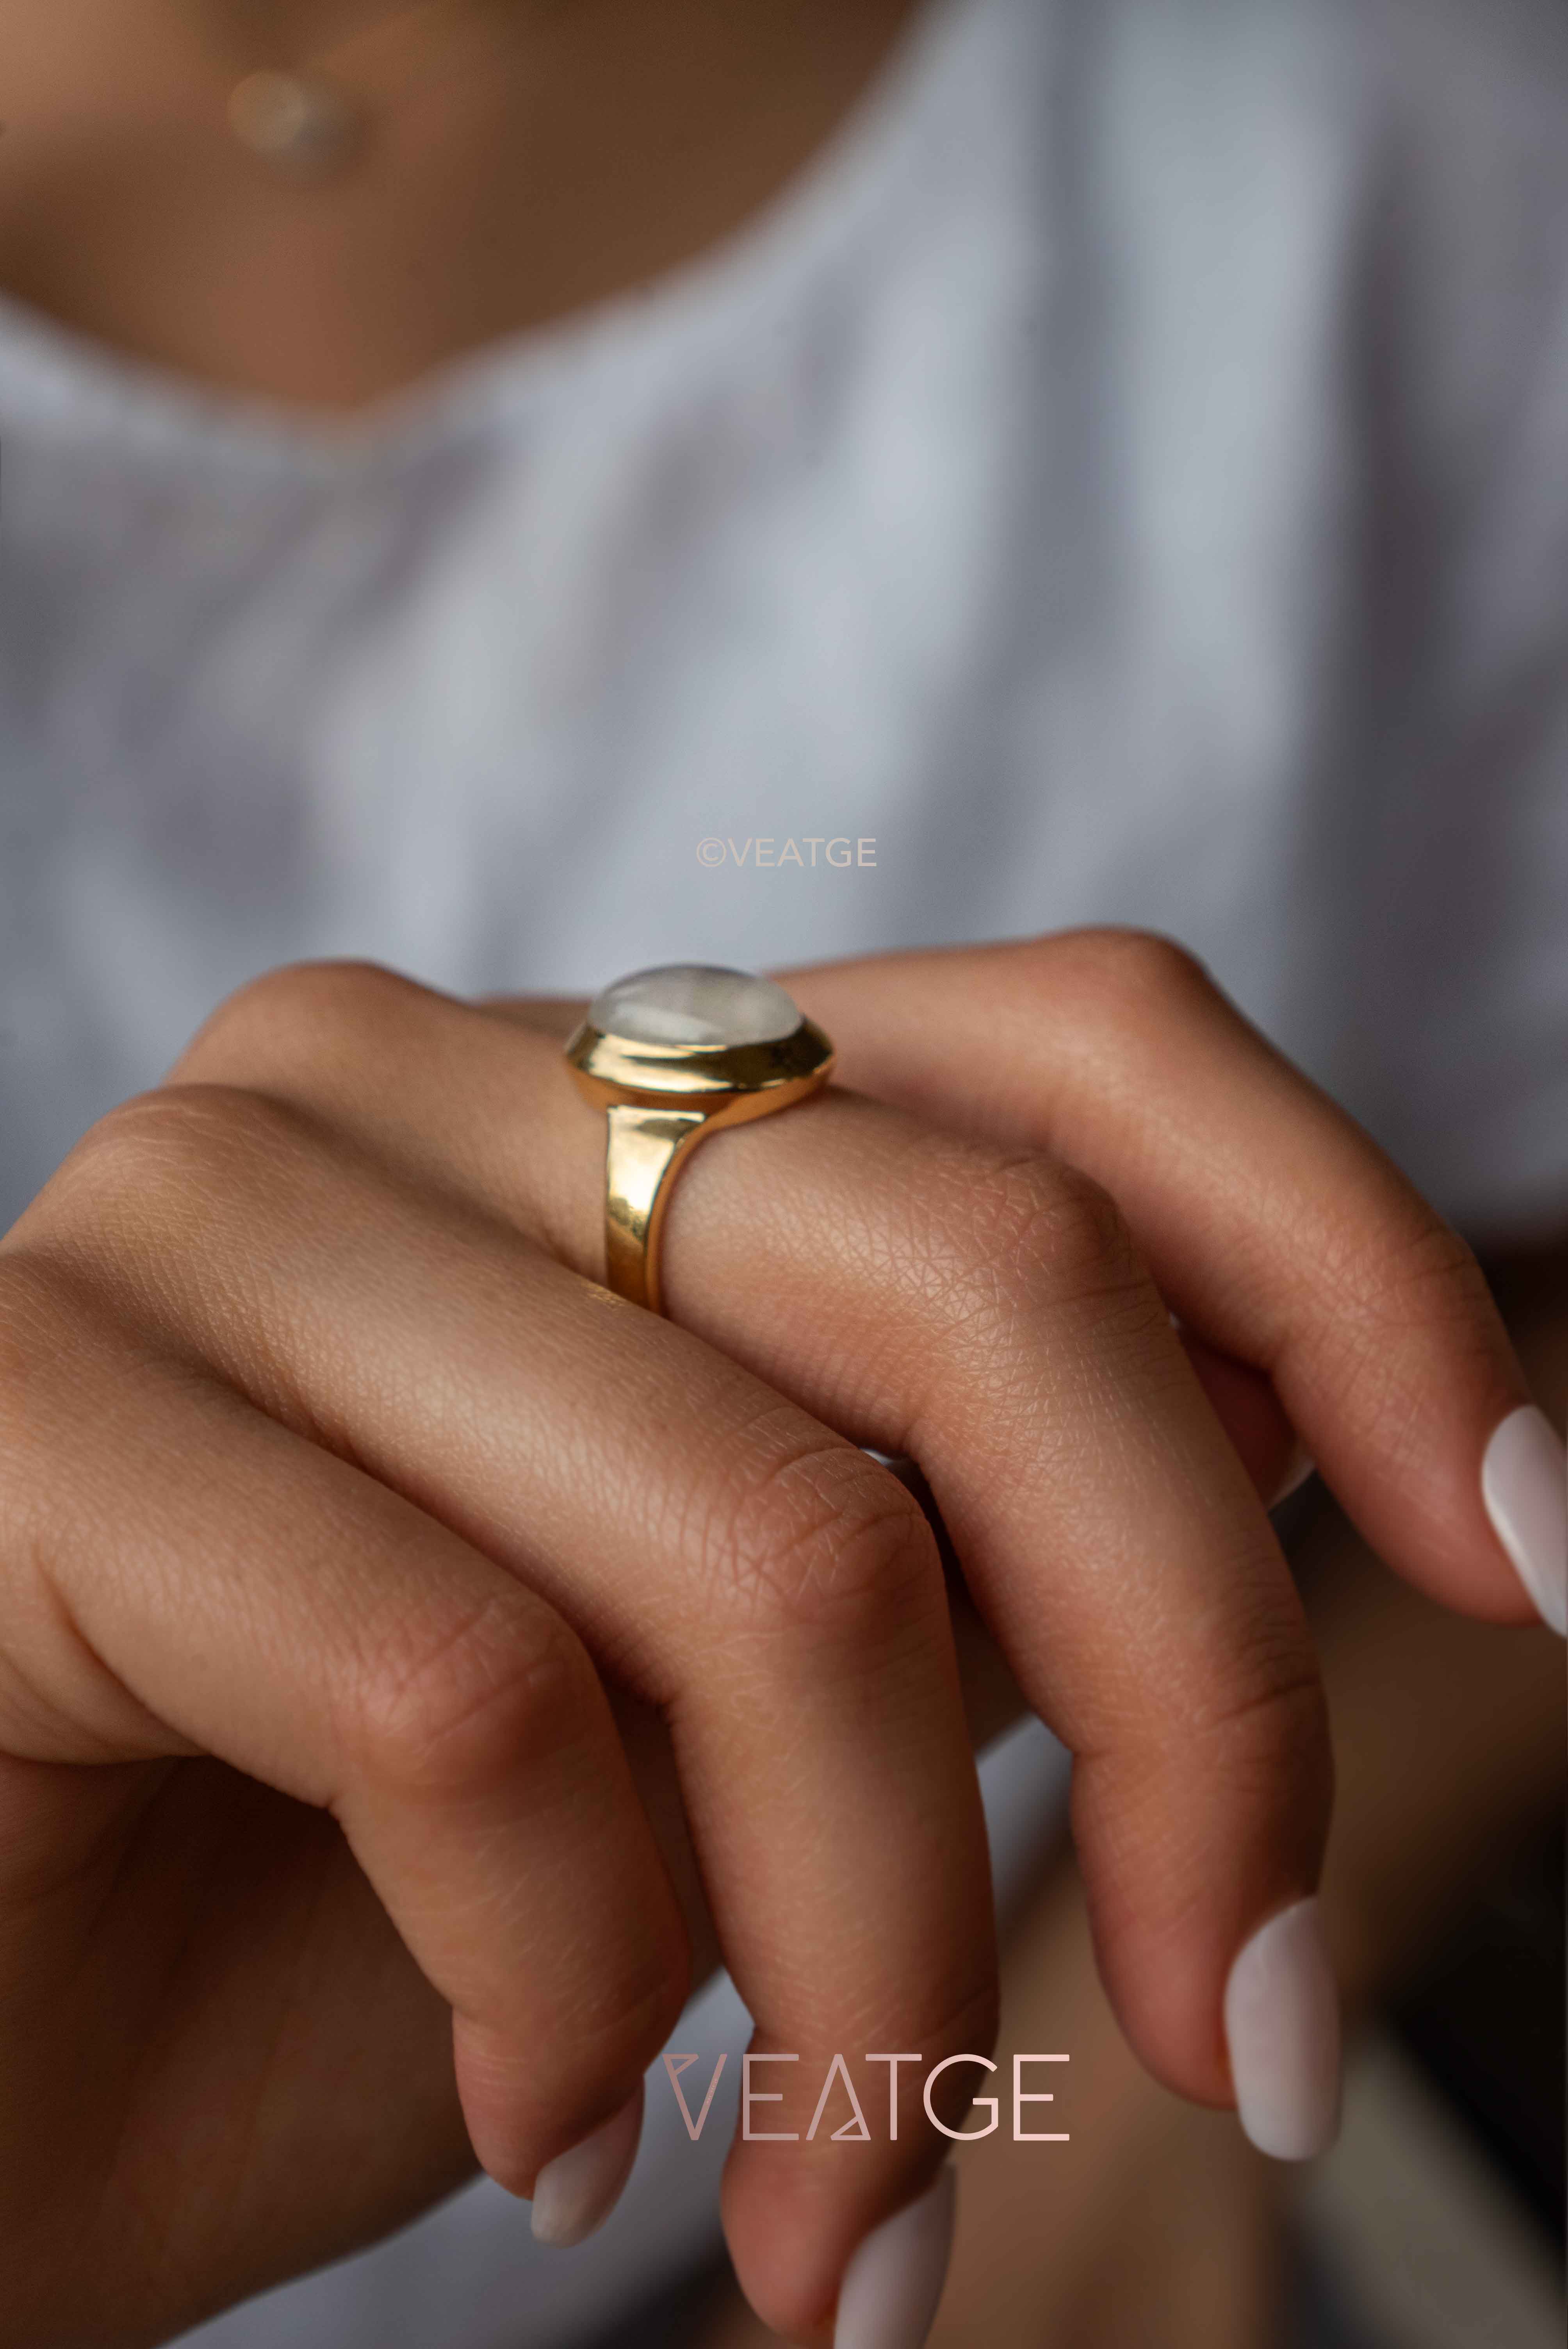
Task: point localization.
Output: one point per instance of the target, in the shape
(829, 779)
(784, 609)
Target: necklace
(305, 121)
(301, 123)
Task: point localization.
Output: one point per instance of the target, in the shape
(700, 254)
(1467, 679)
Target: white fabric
(1123, 478)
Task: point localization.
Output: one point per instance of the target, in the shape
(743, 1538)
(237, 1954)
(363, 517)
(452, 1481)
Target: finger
(1247, 1408)
(197, 1579)
(775, 1594)
(1242, 1400)
(1281, 1235)
(989, 1313)
(986, 1312)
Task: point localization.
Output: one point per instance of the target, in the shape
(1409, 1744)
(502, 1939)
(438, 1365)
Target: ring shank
(641, 1150)
(657, 1101)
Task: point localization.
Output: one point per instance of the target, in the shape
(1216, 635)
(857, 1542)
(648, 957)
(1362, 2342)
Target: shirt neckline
(76, 386)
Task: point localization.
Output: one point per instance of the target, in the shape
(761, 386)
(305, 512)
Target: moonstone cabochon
(693, 1003)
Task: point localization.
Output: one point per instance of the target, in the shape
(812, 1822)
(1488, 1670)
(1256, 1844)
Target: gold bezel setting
(658, 1099)
(700, 1076)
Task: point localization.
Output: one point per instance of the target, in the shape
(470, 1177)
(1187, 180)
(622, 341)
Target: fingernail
(576, 2192)
(1524, 1483)
(1282, 2025)
(891, 2286)
(1300, 1467)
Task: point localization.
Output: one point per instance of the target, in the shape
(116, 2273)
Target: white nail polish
(576, 2192)
(1298, 1468)
(1524, 1483)
(1282, 2025)
(894, 2282)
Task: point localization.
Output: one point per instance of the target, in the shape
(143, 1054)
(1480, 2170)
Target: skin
(344, 1508)
(507, 184)
(1448, 1742)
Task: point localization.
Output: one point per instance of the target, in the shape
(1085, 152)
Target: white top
(1121, 479)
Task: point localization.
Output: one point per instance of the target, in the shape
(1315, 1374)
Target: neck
(301, 28)
(524, 161)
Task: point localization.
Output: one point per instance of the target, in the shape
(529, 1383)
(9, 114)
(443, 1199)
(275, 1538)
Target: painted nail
(1298, 1468)
(1282, 2025)
(576, 2192)
(1524, 1483)
(892, 2285)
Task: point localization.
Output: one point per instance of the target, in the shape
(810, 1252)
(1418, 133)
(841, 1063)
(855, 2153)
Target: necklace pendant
(300, 123)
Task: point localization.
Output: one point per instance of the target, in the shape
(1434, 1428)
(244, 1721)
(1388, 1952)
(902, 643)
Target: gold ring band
(670, 1055)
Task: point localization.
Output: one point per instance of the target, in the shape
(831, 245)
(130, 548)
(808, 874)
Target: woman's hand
(1155, 2227)
(339, 1501)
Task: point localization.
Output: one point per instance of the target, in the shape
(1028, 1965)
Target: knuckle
(1235, 1687)
(1077, 1239)
(1269, 1725)
(504, 1685)
(826, 1541)
(157, 1151)
(1408, 1268)
(1020, 1229)
(157, 1223)
(301, 1010)
(1132, 966)
(619, 2013)
(1399, 1294)
(969, 2018)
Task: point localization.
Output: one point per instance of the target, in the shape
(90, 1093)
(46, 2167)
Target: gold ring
(669, 1055)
